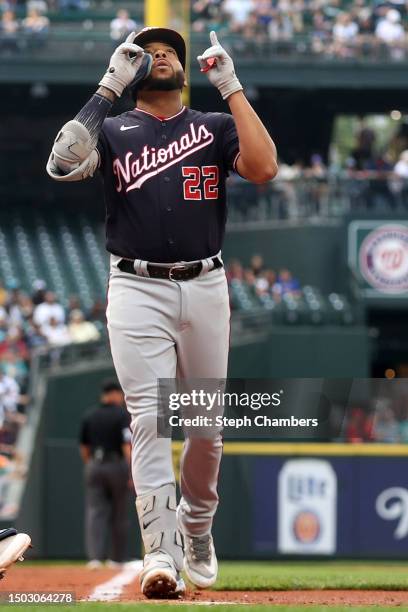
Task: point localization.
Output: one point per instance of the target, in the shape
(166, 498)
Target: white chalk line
(113, 588)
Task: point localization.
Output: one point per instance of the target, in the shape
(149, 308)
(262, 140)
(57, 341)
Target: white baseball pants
(167, 329)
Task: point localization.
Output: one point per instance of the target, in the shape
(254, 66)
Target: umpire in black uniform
(105, 451)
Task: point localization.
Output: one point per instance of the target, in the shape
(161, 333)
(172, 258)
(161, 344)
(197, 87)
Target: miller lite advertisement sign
(307, 507)
(378, 252)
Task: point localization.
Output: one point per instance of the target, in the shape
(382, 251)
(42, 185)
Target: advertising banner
(307, 502)
(346, 506)
(378, 253)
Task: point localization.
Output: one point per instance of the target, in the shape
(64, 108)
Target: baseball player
(164, 168)
(12, 548)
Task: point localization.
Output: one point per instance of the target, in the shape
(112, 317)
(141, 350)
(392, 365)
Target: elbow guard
(74, 172)
(72, 146)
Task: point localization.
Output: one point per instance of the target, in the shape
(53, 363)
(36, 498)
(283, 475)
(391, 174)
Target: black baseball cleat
(13, 545)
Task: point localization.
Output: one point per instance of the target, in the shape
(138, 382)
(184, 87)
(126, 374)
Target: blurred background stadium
(317, 263)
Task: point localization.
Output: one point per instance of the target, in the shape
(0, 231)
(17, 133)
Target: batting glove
(127, 60)
(219, 67)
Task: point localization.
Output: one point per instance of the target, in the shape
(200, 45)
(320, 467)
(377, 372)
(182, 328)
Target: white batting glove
(219, 67)
(123, 67)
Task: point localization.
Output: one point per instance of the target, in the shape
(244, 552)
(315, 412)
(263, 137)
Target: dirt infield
(83, 582)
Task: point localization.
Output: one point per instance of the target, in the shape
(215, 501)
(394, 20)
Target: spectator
(286, 284)
(3, 294)
(317, 167)
(262, 284)
(9, 394)
(253, 29)
(280, 28)
(56, 332)
(36, 27)
(365, 24)
(257, 264)
(237, 12)
(320, 32)
(98, 312)
(3, 324)
(401, 167)
(344, 35)
(26, 307)
(36, 339)
(121, 26)
(14, 367)
(9, 32)
(206, 14)
(264, 13)
(15, 342)
(385, 424)
(81, 330)
(39, 290)
(234, 270)
(403, 427)
(47, 310)
(390, 31)
(359, 427)
(272, 280)
(73, 303)
(398, 182)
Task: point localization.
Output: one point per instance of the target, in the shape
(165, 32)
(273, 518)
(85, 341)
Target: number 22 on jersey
(200, 183)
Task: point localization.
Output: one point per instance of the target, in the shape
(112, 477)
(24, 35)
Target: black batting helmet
(171, 37)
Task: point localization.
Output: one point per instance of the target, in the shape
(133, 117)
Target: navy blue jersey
(164, 183)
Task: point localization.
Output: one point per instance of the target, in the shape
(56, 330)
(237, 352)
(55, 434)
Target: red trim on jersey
(161, 118)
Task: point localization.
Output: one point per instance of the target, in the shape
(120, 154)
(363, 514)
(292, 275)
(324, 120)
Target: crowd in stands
(332, 27)
(371, 177)
(23, 34)
(28, 33)
(28, 323)
(329, 28)
(31, 31)
(261, 280)
(386, 424)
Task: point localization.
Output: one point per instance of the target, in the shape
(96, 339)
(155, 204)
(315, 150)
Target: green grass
(297, 575)
(286, 575)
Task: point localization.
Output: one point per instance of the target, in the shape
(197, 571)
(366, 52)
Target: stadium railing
(88, 32)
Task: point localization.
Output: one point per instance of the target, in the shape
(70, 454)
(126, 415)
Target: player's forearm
(258, 152)
(106, 93)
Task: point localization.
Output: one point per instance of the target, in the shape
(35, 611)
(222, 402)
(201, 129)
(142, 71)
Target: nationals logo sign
(383, 259)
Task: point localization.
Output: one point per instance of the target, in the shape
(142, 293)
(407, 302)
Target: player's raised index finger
(213, 38)
(131, 37)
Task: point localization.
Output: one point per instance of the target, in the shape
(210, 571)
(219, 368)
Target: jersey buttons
(169, 209)
(166, 179)
(164, 137)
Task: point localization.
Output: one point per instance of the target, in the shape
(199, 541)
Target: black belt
(175, 272)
